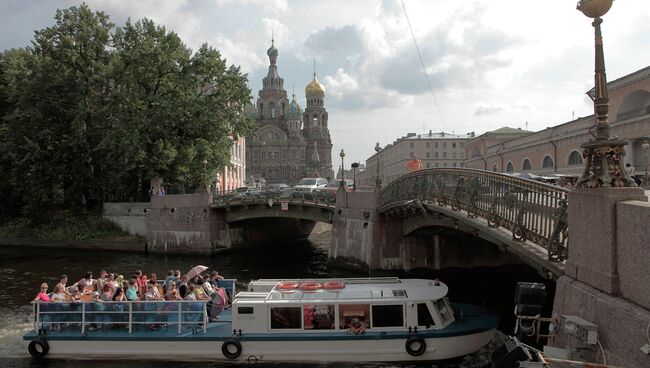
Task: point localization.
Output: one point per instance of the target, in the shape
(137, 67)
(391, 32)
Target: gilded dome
(315, 88)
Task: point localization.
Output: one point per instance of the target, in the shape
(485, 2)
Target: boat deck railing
(132, 315)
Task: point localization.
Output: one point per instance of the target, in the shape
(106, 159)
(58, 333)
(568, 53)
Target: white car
(310, 184)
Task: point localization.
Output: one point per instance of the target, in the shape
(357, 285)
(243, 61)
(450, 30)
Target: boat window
(285, 317)
(387, 315)
(424, 316)
(441, 306)
(318, 317)
(399, 293)
(245, 310)
(349, 311)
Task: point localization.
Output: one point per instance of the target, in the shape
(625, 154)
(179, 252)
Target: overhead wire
(424, 70)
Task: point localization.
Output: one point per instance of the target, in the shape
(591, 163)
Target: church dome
(294, 110)
(315, 88)
(272, 51)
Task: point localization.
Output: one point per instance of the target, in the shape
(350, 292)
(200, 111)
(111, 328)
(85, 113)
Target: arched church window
(548, 162)
(526, 166)
(314, 120)
(575, 158)
(510, 168)
(283, 107)
(272, 108)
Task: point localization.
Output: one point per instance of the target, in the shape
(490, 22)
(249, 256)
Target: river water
(22, 269)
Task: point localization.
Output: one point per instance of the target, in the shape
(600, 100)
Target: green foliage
(63, 226)
(90, 112)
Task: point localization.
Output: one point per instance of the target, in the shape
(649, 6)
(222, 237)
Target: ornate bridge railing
(531, 210)
(291, 195)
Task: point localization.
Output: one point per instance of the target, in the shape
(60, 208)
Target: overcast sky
(491, 63)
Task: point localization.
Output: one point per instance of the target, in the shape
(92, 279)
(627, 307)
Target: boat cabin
(377, 304)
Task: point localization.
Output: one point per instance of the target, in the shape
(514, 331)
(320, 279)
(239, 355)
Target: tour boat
(349, 319)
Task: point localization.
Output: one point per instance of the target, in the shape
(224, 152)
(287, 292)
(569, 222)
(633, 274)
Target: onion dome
(272, 52)
(315, 88)
(294, 109)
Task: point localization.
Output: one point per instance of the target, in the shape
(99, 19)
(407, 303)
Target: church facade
(288, 143)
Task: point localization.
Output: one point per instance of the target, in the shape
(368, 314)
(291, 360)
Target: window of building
(444, 154)
(453, 145)
(285, 317)
(424, 316)
(388, 315)
(435, 154)
(435, 145)
(510, 168)
(412, 154)
(272, 108)
(411, 144)
(444, 144)
(454, 164)
(462, 164)
(453, 155)
(318, 317)
(444, 164)
(548, 162)
(428, 154)
(428, 144)
(575, 158)
(526, 166)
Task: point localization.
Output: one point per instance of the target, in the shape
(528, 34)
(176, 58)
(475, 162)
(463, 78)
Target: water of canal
(23, 269)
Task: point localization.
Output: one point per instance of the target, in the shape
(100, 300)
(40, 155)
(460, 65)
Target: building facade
(233, 176)
(443, 150)
(288, 143)
(556, 150)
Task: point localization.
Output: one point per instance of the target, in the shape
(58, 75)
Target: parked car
(244, 193)
(310, 184)
(334, 185)
(279, 190)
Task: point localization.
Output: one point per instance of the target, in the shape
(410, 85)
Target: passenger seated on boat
(356, 327)
(183, 287)
(199, 291)
(168, 280)
(58, 295)
(132, 290)
(42, 294)
(172, 292)
(95, 306)
(86, 283)
(110, 281)
(151, 296)
(107, 293)
(75, 296)
(208, 288)
(190, 295)
(218, 302)
(63, 280)
(121, 282)
(214, 278)
(101, 280)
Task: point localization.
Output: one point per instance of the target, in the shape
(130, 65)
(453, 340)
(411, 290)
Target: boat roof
(356, 289)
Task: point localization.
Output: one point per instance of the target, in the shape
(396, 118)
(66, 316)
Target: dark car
(334, 185)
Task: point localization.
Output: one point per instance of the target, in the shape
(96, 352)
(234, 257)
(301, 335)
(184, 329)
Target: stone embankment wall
(607, 275)
(130, 217)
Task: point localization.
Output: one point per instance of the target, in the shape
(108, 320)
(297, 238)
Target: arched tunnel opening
(476, 271)
(274, 230)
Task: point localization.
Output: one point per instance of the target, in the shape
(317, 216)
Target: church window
(510, 168)
(314, 119)
(272, 108)
(526, 166)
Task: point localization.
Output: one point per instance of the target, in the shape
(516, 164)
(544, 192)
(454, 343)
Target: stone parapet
(593, 245)
(633, 240)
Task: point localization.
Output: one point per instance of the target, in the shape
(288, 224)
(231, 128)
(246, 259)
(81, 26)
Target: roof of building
(315, 88)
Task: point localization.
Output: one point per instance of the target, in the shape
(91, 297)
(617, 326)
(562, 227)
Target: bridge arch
(533, 213)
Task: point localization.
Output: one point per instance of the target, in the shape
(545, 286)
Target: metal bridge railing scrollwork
(531, 210)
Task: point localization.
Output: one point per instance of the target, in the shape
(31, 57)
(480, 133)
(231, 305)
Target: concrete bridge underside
(295, 211)
(415, 218)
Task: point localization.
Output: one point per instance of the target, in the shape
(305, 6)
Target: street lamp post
(354, 176)
(378, 180)
(342, 154)
(645, 147)
(205, 175)
(603, 155)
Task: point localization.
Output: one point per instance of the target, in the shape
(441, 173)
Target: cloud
(273, 6)
(488, 108)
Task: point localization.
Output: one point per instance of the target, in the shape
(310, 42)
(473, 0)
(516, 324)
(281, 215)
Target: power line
(424, 70)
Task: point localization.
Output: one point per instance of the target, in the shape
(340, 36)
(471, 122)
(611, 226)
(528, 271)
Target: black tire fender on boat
(415, 346)
(38, 348)
(228, 344)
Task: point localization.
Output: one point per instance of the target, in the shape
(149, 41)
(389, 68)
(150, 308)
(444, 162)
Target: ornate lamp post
(603, 155)
(645, 147)
(342, 154)
(378, 181)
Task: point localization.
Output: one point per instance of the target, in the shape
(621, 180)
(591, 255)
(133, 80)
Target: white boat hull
(358, 350)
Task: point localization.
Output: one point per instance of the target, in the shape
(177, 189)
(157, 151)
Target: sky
(490, 63)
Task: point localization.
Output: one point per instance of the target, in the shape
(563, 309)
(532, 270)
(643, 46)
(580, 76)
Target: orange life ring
(309, 286)
(288, 286)
(333, 285)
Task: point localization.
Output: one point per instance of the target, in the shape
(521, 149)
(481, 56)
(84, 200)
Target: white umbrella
(196, 270)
